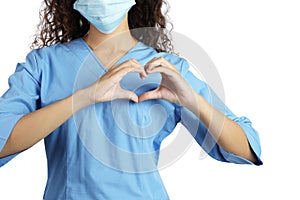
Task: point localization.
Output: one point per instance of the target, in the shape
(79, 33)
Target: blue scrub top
(108, 150)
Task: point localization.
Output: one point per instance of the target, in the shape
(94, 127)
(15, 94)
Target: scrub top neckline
(99, 61)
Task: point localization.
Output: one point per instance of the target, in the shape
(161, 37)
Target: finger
(124, 62)
(132, 63)
(124, 71)
(150, 63)
(134, 60)
(143, 74)
(126, 94)
(117, 75)
(154, 58)
(159, 62)
(154, 94)
(163, 70)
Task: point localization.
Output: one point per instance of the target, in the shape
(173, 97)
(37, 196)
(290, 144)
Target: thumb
(154, 94)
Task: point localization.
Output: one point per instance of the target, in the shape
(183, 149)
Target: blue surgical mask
(105, 15)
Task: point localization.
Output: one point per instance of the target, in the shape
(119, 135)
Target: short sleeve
(201, 133)
(21, 98)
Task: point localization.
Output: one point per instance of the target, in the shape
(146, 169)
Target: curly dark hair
(61, 23)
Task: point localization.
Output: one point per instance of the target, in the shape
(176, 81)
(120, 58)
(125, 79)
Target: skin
(35, 126)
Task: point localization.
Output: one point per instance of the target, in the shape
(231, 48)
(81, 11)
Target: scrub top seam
(92, 54)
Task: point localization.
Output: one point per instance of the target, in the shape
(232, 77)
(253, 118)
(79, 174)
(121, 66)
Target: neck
(121, 38)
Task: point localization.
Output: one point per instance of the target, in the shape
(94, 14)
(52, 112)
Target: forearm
(37, 125)
(227, 133)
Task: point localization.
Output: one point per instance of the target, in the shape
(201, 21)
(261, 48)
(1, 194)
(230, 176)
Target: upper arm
(21, 98)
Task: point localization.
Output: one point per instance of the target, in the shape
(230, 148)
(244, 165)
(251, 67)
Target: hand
(108, 88)
(173, 87)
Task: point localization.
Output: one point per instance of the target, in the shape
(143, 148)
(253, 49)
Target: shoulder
(57, 50)
(56, 53)
(40, 60)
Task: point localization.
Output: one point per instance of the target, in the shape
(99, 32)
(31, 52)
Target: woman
(76, 89)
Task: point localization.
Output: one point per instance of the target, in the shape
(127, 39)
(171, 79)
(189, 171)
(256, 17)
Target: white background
(255, 46)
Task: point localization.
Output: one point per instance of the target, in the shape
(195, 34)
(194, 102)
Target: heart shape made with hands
(132, 82)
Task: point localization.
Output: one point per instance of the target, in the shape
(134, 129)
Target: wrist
(80, 100)
(198, 105)
(193, 103)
